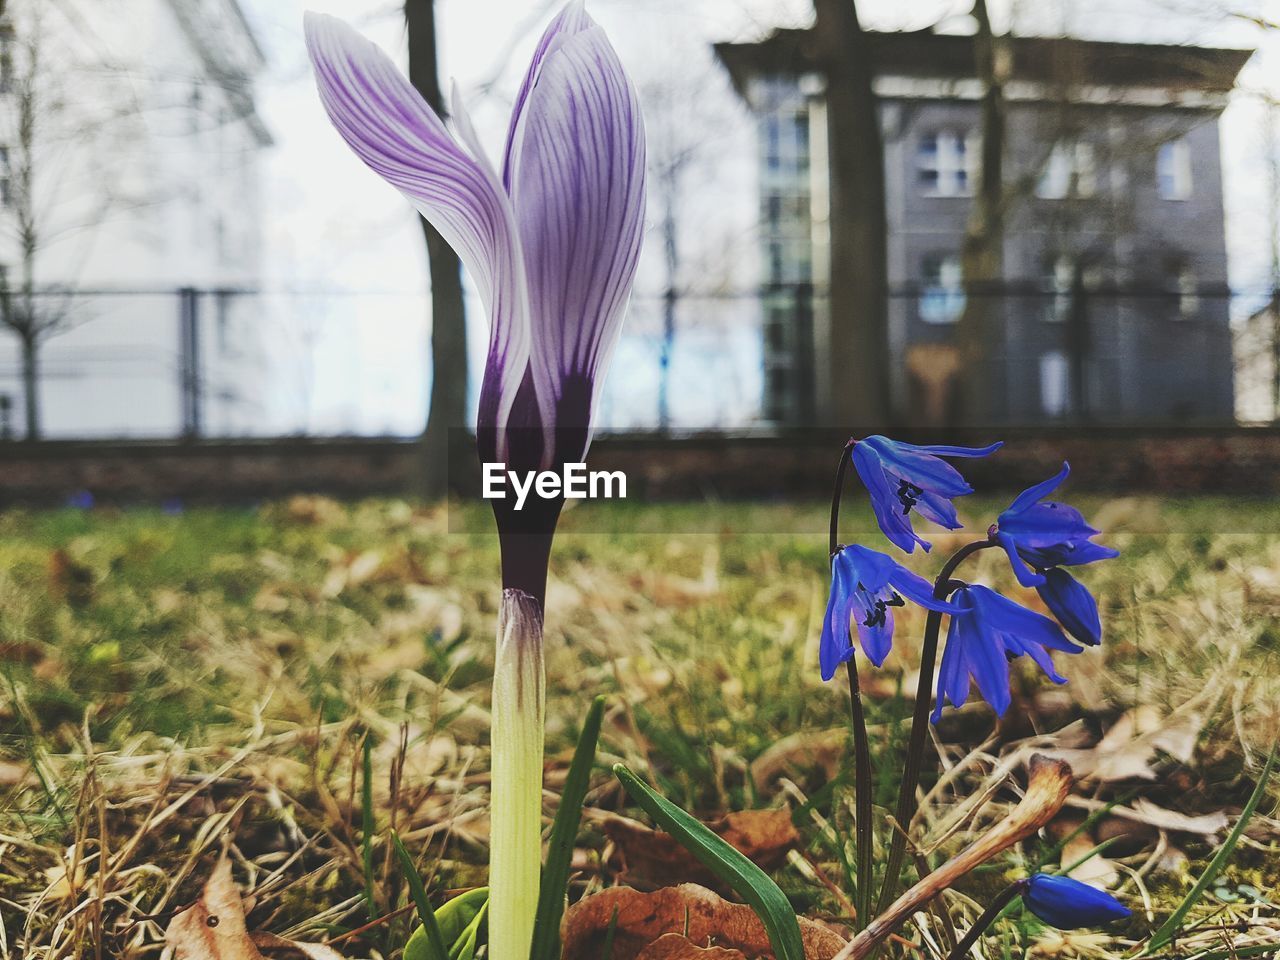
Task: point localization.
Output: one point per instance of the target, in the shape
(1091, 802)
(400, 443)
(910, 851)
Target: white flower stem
(515, 848)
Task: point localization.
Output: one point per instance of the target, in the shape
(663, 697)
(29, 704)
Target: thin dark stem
(833, 539)
(861, 796)
(988, 917)
(862, 786)
(906, 808)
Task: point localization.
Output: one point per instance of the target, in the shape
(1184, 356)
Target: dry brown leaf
(213, 928)
(763, 836)
(672, 946)
(690, 910)
(1097, 870)
(1128, 749)
(800, 751)
(1145, 811)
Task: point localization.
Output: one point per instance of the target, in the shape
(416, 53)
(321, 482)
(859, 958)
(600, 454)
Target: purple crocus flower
(901, 477)
(981, 643)
(865, 587)
(551, 240)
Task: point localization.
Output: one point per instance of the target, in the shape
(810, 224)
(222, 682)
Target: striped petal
(393, 130)
(576, 169)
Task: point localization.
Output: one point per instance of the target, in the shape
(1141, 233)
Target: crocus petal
(1025, 575)
(571, 20)
(1038, 492)
(1073, 605)
(884, 501)
(392, 129)
(576, 168)
(1069, 904)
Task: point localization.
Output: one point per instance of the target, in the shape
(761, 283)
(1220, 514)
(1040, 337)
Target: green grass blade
(726, 863)
(367, 827)
(555, 872)
(426, 916)
(1171, 926)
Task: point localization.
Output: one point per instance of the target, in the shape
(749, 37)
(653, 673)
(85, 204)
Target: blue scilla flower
(1040, 538)
(902, 477)
(1042, 534)
(1069, 904)
(865, 587)
(981, 643)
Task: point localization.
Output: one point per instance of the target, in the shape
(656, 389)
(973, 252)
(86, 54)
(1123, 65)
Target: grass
(167, 680)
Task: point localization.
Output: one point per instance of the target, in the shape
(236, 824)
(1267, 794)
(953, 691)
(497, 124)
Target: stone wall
(796, 464)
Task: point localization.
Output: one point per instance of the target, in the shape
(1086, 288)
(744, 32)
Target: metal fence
(235, 363)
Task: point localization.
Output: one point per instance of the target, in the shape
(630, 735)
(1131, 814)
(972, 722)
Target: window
(1183, 282)
(6, 178)
(944, 162)
(1059, 274)
(1173, 170)
(942, 289)
(1055, 384)
(1070, 171)
(786, 140)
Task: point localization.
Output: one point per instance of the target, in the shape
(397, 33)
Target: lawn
(168, 680)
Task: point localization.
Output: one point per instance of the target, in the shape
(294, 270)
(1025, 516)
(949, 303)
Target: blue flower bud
(1069, 904)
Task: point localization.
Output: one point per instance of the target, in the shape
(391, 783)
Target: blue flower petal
(835, 645)
(1073, 605)
(1069, 904)
(1020, 570)
(1038, 492)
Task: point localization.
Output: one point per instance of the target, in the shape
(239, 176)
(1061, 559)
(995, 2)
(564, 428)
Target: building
(130, 153)
(1113, 303)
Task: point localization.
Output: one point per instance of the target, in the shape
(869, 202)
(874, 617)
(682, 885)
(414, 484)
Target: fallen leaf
(1097, 870)
(672, 946)
(213, 928)
(801, 751)
(763, 836)
(1145, 811)
(690, 910)
(1129, 748)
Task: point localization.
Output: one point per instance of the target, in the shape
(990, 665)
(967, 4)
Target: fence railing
(239, 363)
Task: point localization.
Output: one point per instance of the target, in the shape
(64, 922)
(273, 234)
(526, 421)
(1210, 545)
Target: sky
(332, 225)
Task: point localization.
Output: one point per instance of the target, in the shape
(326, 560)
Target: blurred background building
(1113, 302)
(130, 219)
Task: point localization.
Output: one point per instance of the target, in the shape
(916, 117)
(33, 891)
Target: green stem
(862, 785)
(515, 849)
(906, 808)
(988, 917)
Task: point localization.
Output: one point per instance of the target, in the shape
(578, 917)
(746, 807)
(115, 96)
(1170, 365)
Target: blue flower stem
(988, 917)
(862, 785)
(906, 809)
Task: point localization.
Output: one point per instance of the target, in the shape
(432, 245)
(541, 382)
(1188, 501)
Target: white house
(130, 149)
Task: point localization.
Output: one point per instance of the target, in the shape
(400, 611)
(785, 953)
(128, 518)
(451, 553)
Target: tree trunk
(859, 345)
(448, 410)
(671, 261)
(982, 256)
(31, 384)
